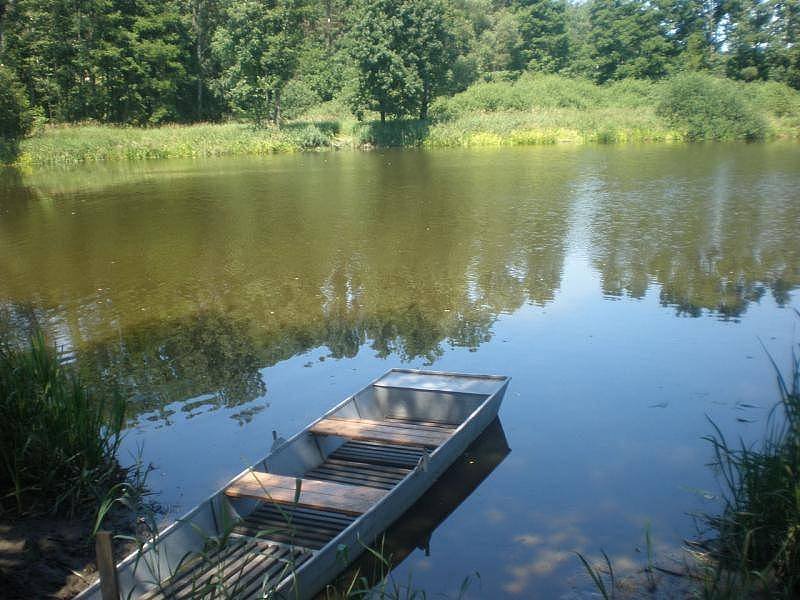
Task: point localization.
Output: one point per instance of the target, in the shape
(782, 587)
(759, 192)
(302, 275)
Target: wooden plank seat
(324, 495)
(242, 568)
(393, 431)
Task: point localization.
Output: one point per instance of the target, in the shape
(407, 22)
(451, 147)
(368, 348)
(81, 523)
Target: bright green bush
(15, 117)
(531, 91)
(631, 93)
(776, 98)
(297, 98)
(707, 108)
(554, 91)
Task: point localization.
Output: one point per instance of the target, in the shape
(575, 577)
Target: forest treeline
(142, 62)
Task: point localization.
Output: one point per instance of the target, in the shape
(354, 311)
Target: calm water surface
(624, 290)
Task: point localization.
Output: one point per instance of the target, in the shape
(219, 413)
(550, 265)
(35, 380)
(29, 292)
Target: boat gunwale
(185, 519)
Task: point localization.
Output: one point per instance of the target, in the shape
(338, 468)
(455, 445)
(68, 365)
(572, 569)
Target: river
(626, 290)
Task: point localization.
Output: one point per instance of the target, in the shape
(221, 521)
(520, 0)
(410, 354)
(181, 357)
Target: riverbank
(531, 110)
(60, 479)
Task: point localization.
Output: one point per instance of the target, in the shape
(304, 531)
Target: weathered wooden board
(382, 431)
(280, 489)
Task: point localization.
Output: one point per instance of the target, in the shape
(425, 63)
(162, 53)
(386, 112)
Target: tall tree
(385, 81)
(627, 39)
(259, 48)
(429, 46)
(543, 27)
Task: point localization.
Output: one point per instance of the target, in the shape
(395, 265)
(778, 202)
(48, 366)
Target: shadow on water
(415, 528)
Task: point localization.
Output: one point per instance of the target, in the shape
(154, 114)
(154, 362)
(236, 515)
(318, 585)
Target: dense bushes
(697, 106)
(15, 117)
(59, 443)
(707, 108)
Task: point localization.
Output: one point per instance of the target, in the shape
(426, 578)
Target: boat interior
(278, 514)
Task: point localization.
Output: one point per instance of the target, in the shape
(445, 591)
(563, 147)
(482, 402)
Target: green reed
(755, 544)
(59, 442)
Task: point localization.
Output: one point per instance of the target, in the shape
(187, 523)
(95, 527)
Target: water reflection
(179, 281)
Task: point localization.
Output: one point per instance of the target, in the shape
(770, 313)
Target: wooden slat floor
(298, 526)
(239, 570)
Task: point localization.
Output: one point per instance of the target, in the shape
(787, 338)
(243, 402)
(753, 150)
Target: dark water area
(626, 290)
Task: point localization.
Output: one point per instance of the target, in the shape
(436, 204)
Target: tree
(385, 82)
(259, 48)
(203, 17)
(500, 46)
(15, 119)
(543, 27)
(402, 50)
(691, 28)
(627, 39)
(429, 46)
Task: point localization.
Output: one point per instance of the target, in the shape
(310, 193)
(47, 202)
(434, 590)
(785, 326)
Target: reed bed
(754, 549)
(59, 442)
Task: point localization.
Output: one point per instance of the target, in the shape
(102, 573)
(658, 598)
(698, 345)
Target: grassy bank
(535, 109)
(58, 467)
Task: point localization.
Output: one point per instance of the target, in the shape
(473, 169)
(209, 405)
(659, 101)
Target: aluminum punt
(290, 523)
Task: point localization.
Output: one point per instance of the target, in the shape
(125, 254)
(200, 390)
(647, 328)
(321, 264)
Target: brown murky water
(624, 289)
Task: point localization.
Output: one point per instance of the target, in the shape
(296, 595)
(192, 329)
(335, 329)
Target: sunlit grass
(534, 110)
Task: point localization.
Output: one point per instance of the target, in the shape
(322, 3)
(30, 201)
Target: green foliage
(64, 145)
(298, 97)
(707, 108)
(59, 443)
(149, 62)
(543, 27)
(627, 39)
(15, 115)
(259, 49)
(776, 98)
(527, 93)
(402, 51)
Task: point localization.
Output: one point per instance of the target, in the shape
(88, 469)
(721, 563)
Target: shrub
(554, 91)
(707, 108)
(15, 117)
(774, 97)
(297, 98)
(59, 442)
(631, 93)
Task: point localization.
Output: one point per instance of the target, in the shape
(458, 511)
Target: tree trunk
(383, 116)
(198, 50)
(328, 25)
(278, 107)
(423, 109)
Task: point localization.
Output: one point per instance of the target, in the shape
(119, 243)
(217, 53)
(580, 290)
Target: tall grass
(59, 443)
(756, 544)
(534, 109)
(92, 142)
